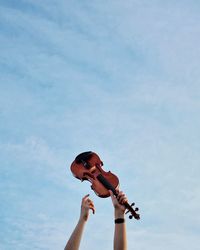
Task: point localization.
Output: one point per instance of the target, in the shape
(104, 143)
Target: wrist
(119, 214)
(83, 219)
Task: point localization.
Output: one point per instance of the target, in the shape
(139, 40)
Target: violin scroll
(133, 212)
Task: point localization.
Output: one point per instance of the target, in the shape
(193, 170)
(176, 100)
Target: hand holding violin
(120, 241)
(118, 204)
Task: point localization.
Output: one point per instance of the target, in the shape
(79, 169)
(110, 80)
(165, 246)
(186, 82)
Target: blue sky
(121, 78)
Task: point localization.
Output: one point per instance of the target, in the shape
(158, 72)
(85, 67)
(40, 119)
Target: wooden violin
(88, 166)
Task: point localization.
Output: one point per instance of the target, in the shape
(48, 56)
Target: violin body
(88, 166)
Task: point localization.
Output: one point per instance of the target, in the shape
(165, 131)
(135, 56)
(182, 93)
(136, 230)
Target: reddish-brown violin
(88, 166)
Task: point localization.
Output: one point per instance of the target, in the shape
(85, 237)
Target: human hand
(118, 203)
(86, 205)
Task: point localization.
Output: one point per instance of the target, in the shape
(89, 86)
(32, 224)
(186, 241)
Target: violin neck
(109, 186)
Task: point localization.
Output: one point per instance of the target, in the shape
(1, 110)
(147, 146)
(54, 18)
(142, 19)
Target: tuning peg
(132, 204)
(136, 209)
(127, 211)
(130, 216)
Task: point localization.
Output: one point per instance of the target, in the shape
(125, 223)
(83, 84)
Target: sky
(120, 78)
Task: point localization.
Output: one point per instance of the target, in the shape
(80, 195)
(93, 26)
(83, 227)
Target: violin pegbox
(135, 210)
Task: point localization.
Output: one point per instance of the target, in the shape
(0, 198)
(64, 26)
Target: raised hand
(86, 205)
(118, 203)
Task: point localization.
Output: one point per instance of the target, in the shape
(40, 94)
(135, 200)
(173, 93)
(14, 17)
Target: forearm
(120, 242)
(75, 239)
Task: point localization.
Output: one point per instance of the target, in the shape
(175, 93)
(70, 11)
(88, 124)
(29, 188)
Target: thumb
(112, 196)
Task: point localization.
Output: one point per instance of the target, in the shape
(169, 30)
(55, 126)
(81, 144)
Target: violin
(88, 166)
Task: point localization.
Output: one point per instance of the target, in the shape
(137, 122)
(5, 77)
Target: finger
(92, 208)
(114, 199)
(85, 197)
(90, 203)
(121, 198)
(111, 195)
(117, 190)
(123, 201)
(120, 193)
